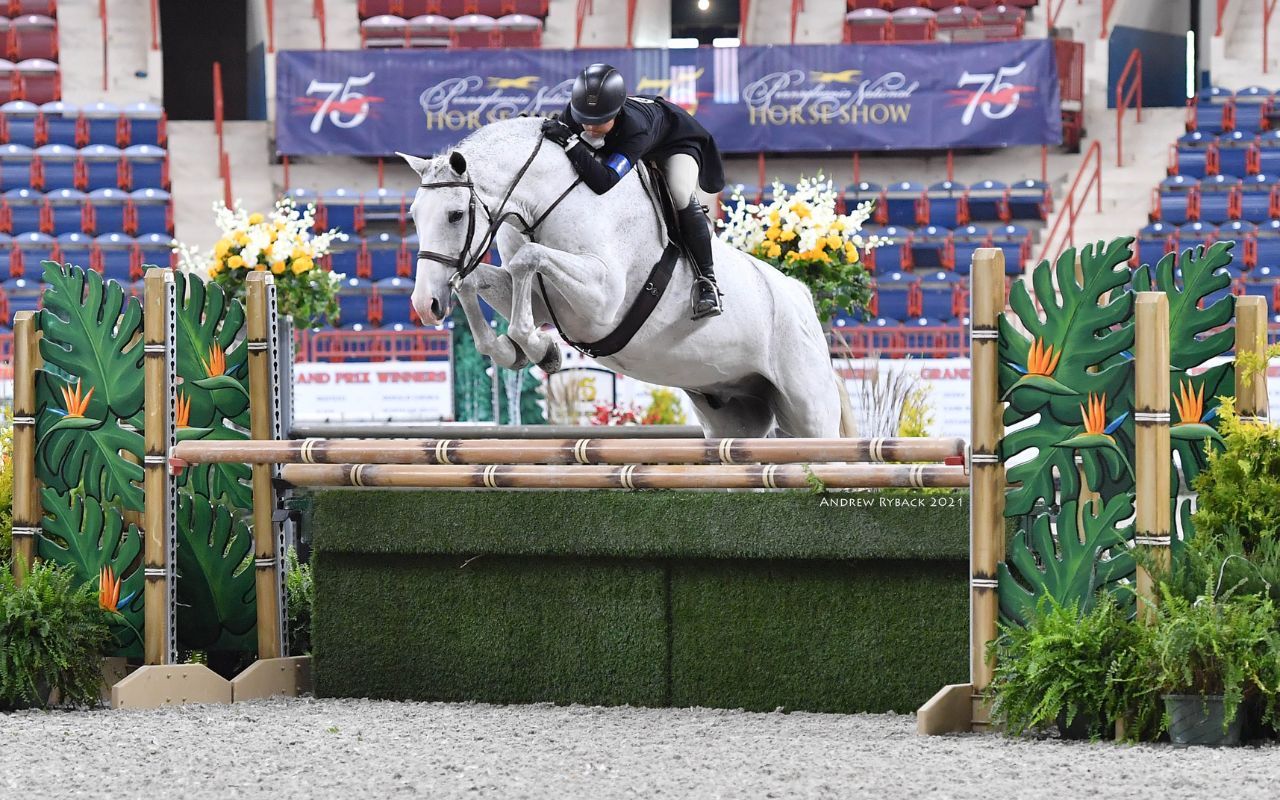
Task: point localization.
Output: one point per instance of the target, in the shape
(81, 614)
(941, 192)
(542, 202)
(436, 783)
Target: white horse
(765, 359)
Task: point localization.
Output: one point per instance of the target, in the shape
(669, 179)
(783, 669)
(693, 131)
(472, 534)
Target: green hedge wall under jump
(736, 600)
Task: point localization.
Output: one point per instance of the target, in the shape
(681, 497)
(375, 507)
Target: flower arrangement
(619, 414)
(801, 234)
(281, 242)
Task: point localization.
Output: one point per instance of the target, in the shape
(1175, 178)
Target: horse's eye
(455, 216)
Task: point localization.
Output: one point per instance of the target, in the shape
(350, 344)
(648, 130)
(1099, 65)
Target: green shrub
(1062, 663)
(6, 485)
(300, 594)
(52, 635)
(1239, 491)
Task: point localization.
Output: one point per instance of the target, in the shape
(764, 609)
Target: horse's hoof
(551, 359)
(515, 359)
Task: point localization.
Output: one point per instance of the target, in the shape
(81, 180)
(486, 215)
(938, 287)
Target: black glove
(557, 131)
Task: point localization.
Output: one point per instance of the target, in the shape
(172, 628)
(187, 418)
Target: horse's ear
(420, 165)
(458, 162)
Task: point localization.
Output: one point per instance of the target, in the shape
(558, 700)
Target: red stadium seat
(520, 30)
(33, 36)
(39, 80)
(377, 8)
(429, 30)
(534, 8)
(867, 25)
(416, 8)
(914, 24)
(384, 31)
(489, 8)
(1002, 22)
(18, 8)
(957, 19)
(474, 30)
(453, 9)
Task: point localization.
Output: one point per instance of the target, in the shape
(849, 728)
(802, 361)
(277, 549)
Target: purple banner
(801, 98)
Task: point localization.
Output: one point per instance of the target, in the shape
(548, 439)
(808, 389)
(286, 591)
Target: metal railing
(631, 23)
(1133, 70)
(102, 13)
(1091, 174)
(219, 118)
(584, 10)
(744, 13)
(1268, 8)
(155, 24)
(1107, 7)
(317, 11)
(797, 8)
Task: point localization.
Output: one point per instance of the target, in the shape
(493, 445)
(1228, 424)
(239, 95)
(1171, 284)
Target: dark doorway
(196, 34)
(704, 20)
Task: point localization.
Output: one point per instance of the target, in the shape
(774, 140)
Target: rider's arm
(600, 176)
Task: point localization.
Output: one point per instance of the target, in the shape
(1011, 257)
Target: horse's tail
(848, 426)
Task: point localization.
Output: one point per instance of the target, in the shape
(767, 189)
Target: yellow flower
(838, 225)
(850, 253)
(774, 216)
(242, 238)
(793, 255)
(787, 236)
(801, 209)
(301, 252)
(277, 267)
(260, 267)
(772, 234)
(301, 265)
(235, 262)
(834, 242)
(774, 250)
(255, 218)
(220, 249)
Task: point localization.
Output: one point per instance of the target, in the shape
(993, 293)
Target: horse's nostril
(435, 308)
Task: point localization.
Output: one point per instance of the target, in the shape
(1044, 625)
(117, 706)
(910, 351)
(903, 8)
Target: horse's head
(449, 220)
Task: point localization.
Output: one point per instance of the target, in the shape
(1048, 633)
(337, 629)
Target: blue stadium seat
(76, 248)
(1256, 197)
(1219, 196)
(989, 201)
(1266, 289)
(110, 210)
(116, 251)
(1154, 241)
(893, 296)
(151, 211)
(353, 302)
(931, 248)
(21, 121)
(341, 208)
(156, 249)
(62, 124)
(384, 256)
(966, 241)
(146, 167)
(35, 247)
(1268, 248)
(387, 205)
(857, 193)
(344, 257)
(103, 120)
(102, 166)
(902, 201)
(58, 166)
(1196, 233)
(937, 296)
(895, 256)
(15, 167)
(1175, 199)
(24, 209)
(1015, 241)
(1211, 109)
(6, 251)
(144, 123)
(1252, 103)
(1269, 153)
(1234, 153)
(1029, 199)
(1191, 158)
(394, 294)
(947, 204)
(23, 295)
(67, 207)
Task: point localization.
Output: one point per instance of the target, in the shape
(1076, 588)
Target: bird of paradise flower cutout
(1038, 374)
(109, 598)
(1192, 424)
(75, 404)
(1097, 431)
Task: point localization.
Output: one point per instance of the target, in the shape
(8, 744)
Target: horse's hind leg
(807, 400)
(736, 417)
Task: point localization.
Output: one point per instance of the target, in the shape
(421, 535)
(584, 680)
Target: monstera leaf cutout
(93, 332)
(77, 532)
(226, 483)
(85, 455)
(212, 373)
(1086, 322)
(1190, 341)
(217, 604)
(1073, 566)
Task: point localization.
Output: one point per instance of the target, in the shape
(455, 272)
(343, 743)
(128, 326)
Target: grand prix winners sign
(801, 98)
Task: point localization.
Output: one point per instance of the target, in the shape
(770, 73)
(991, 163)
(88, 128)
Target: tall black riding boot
(697, 239)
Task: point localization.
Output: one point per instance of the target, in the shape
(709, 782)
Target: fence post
(1251, 337)
(26, 490)
(1151, 442)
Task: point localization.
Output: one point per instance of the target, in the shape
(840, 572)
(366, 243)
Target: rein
(466, 262)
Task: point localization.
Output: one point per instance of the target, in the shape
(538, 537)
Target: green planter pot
(1197, 720)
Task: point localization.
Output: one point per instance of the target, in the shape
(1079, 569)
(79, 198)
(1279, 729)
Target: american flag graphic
(684, 87)
(726, 74)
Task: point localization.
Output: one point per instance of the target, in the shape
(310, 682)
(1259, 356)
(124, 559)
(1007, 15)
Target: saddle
(655, 286)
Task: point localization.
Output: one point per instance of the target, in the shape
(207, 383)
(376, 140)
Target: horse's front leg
(582, 280)
(495, 285)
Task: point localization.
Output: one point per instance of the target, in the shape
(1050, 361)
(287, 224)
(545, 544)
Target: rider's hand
(557, 131)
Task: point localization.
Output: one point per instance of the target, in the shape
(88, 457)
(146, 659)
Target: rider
(601, 117)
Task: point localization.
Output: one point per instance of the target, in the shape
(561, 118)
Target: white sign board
(404, 391)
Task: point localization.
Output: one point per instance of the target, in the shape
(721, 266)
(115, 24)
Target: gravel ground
(309, 748)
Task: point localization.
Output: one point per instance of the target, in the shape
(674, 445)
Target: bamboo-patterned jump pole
(1251, 337)
(160, 542)
(632, 476)
(569, 451)
(26, 490)
(263, 409)
(1151, 440)
(986, 520)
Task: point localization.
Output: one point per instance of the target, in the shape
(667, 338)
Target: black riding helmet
(598, 94)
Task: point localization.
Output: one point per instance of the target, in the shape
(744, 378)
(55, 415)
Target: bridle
(466, 262)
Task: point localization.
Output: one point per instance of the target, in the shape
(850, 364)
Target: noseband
(466, 262)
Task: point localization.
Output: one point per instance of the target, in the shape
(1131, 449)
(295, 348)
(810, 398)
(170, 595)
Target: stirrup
(715, 309)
